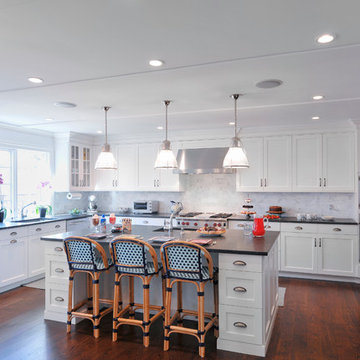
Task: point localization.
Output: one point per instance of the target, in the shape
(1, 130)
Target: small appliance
(145, 206)
(92, 207)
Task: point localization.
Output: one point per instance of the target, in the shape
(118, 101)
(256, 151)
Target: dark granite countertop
(9, 224)
(131, 214)
(289, 219)
(233, 241)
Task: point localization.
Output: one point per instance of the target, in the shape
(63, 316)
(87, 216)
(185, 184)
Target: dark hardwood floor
(320, 320)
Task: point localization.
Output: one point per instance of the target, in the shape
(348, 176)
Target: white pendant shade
(166, 160)
(236, 158)
(106, 161)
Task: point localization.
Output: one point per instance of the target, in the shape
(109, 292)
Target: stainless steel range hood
(202, 161)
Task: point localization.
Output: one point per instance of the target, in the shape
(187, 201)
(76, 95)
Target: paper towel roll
(74, 196)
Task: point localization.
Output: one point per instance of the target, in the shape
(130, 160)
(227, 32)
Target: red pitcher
(259, 228)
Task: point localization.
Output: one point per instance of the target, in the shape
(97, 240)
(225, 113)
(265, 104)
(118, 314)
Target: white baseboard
(22, 282)
(319, 277)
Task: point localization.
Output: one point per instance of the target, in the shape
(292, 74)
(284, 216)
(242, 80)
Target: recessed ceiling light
(65, 104)
(325, 38)
(156, 63)
(49, 119)
(269, 84)
(318, 97)
(35, 80)
(160, 128)
(99, 131)
(231, 123)
(315, 117)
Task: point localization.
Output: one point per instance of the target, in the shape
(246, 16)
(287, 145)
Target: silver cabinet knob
(239, 262)
(38, 229)
(59, 270)
(298, 228)
(13, 241)
(240, 324)
(336, 229)
(14, 233)
(59, 299)
(239, 289)
(58, 249)
(57, 226)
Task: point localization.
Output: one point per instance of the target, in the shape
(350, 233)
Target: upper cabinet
(324, 163)
(270, 165)
(80, 167)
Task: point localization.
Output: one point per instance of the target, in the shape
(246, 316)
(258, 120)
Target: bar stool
(183, 262)
(134, 258)
(87, 256)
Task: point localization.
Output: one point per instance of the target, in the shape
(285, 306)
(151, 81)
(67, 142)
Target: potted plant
(45, 192)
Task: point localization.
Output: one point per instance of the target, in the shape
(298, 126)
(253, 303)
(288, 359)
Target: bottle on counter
(103, 224)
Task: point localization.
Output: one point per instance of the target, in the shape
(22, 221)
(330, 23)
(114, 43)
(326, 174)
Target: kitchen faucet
(23, 208)
(175, 209)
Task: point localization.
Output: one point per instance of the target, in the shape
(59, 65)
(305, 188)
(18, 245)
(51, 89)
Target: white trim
(318, 277)
(22, 282)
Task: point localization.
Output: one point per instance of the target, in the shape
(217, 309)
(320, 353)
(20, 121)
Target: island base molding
(285, 274)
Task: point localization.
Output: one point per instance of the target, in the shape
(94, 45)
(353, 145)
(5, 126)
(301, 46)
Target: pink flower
(1, 179)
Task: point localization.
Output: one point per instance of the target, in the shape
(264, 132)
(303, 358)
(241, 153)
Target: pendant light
(166, 158)
(106, 159)
(236, 156)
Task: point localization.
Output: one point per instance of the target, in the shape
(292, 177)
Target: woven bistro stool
(87, 256)
(183, 262)
(134, 258)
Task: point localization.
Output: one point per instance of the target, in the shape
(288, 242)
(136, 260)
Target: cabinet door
(307, 172)
(168, 180)
(36, 256)
(148, 177)
(251, 179)
(13, 261)
(127, 167)
(339, 162)
(336, 255)
(105, 180)
(298, 252)
(75, 166)
(85, 181)
(277, 163)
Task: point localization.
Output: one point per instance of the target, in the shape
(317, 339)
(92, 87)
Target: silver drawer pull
(13, 241)
(59, 270)
(58, 248)
(145, 222)
(240, 225)
(240, 289)
(240, 324)
(298, 228)
(57, 226)
(39, 229)
(239, 262)
(14, 233)
(336, 229)
(59, 298)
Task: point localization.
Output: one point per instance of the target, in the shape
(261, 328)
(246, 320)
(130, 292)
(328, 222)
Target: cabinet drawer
(338, 229)
(239, 225)
(55, 248)
(240, 262)
(12, 233)
(147, 221)
(56, 227)
(240, 288)
(241, 324)
(56, 268)
(56, 298)
(299, 227)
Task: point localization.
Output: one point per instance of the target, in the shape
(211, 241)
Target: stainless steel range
(196, 220)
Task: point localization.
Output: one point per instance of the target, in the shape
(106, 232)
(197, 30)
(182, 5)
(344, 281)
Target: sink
(30, 220)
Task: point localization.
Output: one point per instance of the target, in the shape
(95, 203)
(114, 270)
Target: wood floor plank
(320, 321)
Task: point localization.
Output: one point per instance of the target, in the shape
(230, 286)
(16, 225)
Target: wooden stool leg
(115, 306)
(201, 319)
(96, 314)
(71, 279)
(179, 302)
(163, 286)
(167, 315)
(131, 297)
(216, 305)
(89, 293)
(146, 316)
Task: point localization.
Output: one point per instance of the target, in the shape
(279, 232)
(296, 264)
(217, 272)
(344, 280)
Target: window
(6, 169)
(33, 179)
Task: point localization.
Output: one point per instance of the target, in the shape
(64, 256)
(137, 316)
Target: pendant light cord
(167, 103)
(235, 97)
(106, 108)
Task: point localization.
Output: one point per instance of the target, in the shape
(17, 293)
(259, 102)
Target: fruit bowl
(211, 231)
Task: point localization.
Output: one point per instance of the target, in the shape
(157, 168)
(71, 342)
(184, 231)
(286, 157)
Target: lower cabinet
(36, 263)
(248, 296)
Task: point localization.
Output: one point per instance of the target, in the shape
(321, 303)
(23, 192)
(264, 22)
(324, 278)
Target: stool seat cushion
(98, 262)
(186, 275)
(138, 270)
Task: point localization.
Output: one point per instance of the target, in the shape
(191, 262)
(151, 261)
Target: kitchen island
(248, 284)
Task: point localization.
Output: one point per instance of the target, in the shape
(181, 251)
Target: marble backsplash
(217, 193)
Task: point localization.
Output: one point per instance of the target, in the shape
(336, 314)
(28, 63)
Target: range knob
(183, 223)
(195, 224)
(214, 224)
(219, 224)
(206, 225)
(187, 223)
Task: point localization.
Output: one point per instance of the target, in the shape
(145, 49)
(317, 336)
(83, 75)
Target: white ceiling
(96, 53)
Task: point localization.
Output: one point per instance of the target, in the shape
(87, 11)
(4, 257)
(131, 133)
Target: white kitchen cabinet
(36, 260)
(13, 260)
(126, 175)
(270, 165)
(80, 167)
(105, 180)
(338, 162)
(336, 255)
(307, 163)
(298, 252)
(251, 179)
(277, 163)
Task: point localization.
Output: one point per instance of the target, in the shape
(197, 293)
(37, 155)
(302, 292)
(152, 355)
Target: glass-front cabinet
(80, 162)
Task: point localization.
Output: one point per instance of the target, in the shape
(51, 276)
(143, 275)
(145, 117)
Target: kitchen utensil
(258, 226)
